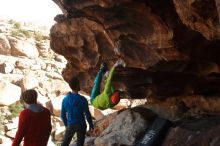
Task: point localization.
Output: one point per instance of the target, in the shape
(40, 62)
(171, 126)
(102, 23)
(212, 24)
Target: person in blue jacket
(73, 112)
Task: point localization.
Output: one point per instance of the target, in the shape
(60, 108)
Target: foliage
(38, 36)
(2, 118)
(51, 55)
(15, 109)
(26, 33)
(17, 25)
(19, 32)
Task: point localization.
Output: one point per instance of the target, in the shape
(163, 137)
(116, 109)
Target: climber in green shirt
(109, 97)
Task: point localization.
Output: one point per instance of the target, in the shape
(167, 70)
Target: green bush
(26, 33)
(38, 36)
(15, 109)
(51, 55)
(2, 118)
(17, 32)
(17, 25)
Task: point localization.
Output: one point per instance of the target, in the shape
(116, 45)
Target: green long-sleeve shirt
(102, 101)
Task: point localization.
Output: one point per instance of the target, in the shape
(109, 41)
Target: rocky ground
(26, 61)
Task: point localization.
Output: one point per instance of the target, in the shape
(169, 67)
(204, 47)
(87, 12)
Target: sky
(42, 11)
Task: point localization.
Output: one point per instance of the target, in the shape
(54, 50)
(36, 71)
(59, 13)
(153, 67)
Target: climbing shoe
(104, 67)
(120, 62)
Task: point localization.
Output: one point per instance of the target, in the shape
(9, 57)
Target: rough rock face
(5, 46)
(200, 15)
(23, 48)
(218, 7)
(124, 128)
(125, 133)
(171, 50)
(151, 37)
(27, 62)
(201, 131)
(7, 96)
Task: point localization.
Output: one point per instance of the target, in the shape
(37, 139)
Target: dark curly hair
(29, 96)
(74, 84)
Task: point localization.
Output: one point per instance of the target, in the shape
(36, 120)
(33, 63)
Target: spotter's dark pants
(80, 130)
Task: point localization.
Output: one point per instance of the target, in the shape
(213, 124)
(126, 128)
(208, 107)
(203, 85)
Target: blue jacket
(73, 111)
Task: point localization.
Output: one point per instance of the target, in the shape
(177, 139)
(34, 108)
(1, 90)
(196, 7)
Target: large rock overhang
(171, 48)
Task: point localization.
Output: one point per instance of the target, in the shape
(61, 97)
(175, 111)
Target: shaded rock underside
(171, 48)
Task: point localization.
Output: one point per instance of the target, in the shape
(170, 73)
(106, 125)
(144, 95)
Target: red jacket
(35, 127)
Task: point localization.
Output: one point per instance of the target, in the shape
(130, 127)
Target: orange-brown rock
(171, 48)
(200, 15)
(135, 31)
(196, 132)
(171, 51)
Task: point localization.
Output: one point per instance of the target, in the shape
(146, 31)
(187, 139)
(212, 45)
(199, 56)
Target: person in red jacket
(34, 122)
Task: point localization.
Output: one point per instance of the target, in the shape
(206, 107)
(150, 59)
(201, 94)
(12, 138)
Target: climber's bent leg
(96, 86)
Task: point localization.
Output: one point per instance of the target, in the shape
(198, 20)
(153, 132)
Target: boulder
(96, 113)
(12, 125)
(45, 101)
(23, 48)
(108, 111)
(50, 142)
(200, 131)
(6, 67)
(58, 87)
(18, 71)
(23, 64)
(89, 141)
(123, 104)
(60, 58)
(11, 133)
(12, 78)
(125, 128)
(56, 105)
(29, 82)
(43, 49)
(8, 97)
(5, 141)
(59, 133)
(138, 102)
(54, 75)
(36, 66)
(5, 48)
(102, 124)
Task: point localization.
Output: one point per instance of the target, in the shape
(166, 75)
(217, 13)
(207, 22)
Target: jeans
(80, 130)
(96, 86)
